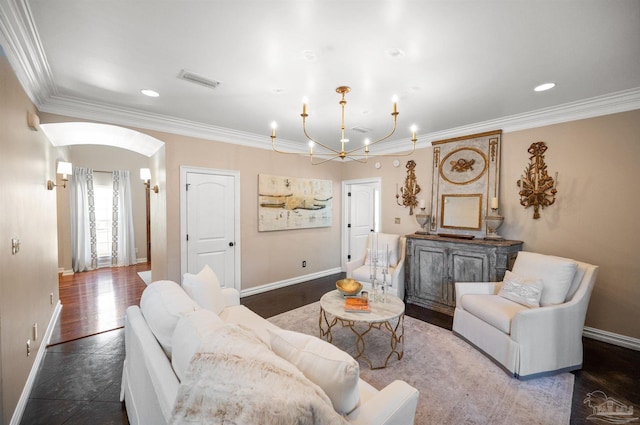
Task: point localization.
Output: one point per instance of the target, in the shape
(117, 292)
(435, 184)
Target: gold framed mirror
(465, 178)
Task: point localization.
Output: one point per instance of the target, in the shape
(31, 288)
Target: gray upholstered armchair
(502, 320)
(360, 269)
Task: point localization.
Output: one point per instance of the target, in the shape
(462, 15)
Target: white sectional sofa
(170, 336)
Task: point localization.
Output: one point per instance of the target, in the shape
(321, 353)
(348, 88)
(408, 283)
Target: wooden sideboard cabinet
(435, 263)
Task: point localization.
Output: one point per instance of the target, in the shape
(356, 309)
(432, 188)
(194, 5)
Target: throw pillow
(556, 274)
(371, 254)
(162, 304)
(204, 288)
(333, 370)
(190, 331)
(521, 290)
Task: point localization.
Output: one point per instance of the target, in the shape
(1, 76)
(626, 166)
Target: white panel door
(362, 217)
(210, 211)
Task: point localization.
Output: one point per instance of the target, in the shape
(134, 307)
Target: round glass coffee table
(384, 316)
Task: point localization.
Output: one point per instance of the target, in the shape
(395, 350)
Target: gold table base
(396, 341)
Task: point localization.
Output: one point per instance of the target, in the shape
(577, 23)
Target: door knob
(230, 243)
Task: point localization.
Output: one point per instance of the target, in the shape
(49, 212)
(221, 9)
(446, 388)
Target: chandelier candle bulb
(494, 203)
(422, 204)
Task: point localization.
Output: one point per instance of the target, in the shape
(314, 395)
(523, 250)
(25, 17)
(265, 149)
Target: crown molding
(24, 51)
(622, 101)
(602, 105)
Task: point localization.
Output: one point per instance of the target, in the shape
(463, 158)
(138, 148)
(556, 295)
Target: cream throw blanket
(235, 379)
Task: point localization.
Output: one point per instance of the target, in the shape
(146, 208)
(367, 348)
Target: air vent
(198, 79)
(362, 129)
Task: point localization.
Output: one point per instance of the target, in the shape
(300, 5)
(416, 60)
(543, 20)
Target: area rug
(145, 276)
(457, 384)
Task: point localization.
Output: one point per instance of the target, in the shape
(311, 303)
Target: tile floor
(79, 383)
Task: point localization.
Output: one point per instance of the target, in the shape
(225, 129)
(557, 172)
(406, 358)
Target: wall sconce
(64, 168)
(410, 189)
(536, 187)
(145, 175)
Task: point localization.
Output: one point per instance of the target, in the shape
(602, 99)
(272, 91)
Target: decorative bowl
(348, 286)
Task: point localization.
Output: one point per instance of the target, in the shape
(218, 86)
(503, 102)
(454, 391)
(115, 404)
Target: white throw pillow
(204, 288)
(333, 370)
(556, 274)
(371, 254)
(521, 290)
(190, 331)
(162, 304)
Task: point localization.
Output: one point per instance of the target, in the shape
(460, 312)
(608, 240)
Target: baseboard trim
(612, 338)
(33, 374)
(288, 282)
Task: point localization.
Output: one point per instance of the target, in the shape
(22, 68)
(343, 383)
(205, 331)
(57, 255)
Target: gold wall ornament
(537, 188)
(410, 190)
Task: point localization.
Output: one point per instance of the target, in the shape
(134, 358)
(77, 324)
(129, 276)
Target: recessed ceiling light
(149, 93)
(545, 86)
(309, 55)
(394, 53)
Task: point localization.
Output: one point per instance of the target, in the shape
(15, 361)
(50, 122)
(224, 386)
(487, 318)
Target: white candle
(386, 258)
(421, 203)
(494, 203)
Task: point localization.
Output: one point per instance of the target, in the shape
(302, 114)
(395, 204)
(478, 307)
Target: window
(103, 198)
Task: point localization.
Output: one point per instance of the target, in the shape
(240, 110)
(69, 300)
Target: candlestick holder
(423, 219)
(493, 221)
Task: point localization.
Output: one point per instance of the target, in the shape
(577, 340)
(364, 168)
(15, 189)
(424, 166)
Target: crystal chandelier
(326, 153)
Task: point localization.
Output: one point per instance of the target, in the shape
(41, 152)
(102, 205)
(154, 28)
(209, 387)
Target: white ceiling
(465, 66)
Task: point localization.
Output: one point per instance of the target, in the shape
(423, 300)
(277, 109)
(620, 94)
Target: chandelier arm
(304, 129)
(276, 150)
(372, 155)
(324, 160)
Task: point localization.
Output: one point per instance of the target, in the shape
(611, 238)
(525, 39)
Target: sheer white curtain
(83, 221)
(123, 251)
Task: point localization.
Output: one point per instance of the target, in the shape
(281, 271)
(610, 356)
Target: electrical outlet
(28, 347)
(397, 220)
(304, 264)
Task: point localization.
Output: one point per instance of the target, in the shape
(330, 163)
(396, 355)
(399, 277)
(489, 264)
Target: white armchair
(360, 269)
(529, 341)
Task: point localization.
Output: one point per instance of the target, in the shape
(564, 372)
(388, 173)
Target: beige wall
(28, 212)
(158, 202)
(105, 158)
(266, 256)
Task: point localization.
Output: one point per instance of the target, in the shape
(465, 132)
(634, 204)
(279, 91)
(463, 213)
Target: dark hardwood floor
(95, 301)
(79, 380)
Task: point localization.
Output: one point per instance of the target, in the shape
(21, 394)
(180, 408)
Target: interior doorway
(361, 215)
(210, 223)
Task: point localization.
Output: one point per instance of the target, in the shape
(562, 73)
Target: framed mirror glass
(461, 211)
(465, 178)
